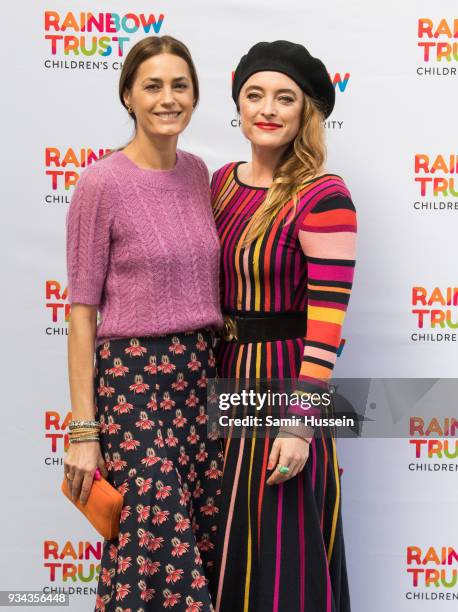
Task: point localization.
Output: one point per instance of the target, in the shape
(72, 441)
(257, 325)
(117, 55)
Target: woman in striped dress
(287, 229)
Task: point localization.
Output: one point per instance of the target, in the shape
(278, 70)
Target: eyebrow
(156, 80)
(290, 91)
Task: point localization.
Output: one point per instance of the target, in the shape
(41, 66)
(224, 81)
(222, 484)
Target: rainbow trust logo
(434, 308)
(434, 444)
(437, 44)
(434, 569)
(72, 562)
(56, 436)
(340, 82)
(81, 35)
(435, 180)
(63, 168)
(57, 308)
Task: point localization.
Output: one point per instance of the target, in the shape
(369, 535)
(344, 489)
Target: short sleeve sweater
(142, 245)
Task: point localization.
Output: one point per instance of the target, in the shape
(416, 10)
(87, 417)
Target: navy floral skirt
(151, 402)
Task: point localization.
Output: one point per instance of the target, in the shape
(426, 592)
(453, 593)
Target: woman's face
(162, 95)
(270, 109)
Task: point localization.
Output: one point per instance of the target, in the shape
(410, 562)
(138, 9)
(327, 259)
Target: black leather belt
(243, 328)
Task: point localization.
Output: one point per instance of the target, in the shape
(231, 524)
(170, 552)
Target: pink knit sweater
(142, 245)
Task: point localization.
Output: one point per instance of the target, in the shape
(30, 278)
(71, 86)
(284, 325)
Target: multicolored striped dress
(281, 547)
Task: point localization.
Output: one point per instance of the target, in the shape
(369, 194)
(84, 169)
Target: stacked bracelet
(84, 431)
(76, 424)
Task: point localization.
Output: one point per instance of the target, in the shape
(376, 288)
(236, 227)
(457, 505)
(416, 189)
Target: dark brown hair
(149, 47)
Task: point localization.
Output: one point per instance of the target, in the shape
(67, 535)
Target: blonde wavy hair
(301, 161)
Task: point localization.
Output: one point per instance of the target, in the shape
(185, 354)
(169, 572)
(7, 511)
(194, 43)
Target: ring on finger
(69, 476)
(283, 469)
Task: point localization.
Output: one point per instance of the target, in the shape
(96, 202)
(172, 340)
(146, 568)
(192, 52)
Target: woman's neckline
(153, 170)
(242, 184)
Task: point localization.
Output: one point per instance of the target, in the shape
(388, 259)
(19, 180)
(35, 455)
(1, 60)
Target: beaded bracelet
(75, 424)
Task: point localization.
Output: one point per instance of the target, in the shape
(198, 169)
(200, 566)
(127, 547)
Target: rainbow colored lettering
(442, 574)
(438, 298)
(62, 165)
(432, 170)
(57, 25)
(73, 561)
(438, 50)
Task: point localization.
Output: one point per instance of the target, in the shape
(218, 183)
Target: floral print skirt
(151, 402)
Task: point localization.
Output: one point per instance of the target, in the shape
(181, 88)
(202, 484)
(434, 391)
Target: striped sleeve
(327, 236)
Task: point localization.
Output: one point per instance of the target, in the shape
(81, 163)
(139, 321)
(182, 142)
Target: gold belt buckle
(229, 332)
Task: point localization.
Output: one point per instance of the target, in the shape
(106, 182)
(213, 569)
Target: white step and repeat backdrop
(392, 136)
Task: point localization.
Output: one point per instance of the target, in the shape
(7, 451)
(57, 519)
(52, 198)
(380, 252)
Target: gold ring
(69, 476)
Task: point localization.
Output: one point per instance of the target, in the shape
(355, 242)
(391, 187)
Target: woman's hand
(80, 463)
(291, 452)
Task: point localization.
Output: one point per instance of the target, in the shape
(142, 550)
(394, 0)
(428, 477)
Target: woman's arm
(327, 237)
(89, 221)
(328, 240)
(81, 339)
(82, 459)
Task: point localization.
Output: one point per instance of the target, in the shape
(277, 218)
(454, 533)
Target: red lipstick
(267, 125)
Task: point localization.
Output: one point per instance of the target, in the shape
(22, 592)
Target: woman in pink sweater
(142, 250)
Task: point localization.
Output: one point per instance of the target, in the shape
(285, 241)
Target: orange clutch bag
(103, 506)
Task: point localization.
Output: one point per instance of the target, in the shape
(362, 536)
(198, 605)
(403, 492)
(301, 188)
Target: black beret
(293, 60)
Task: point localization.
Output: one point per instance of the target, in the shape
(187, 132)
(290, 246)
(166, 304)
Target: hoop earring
(130, 110)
